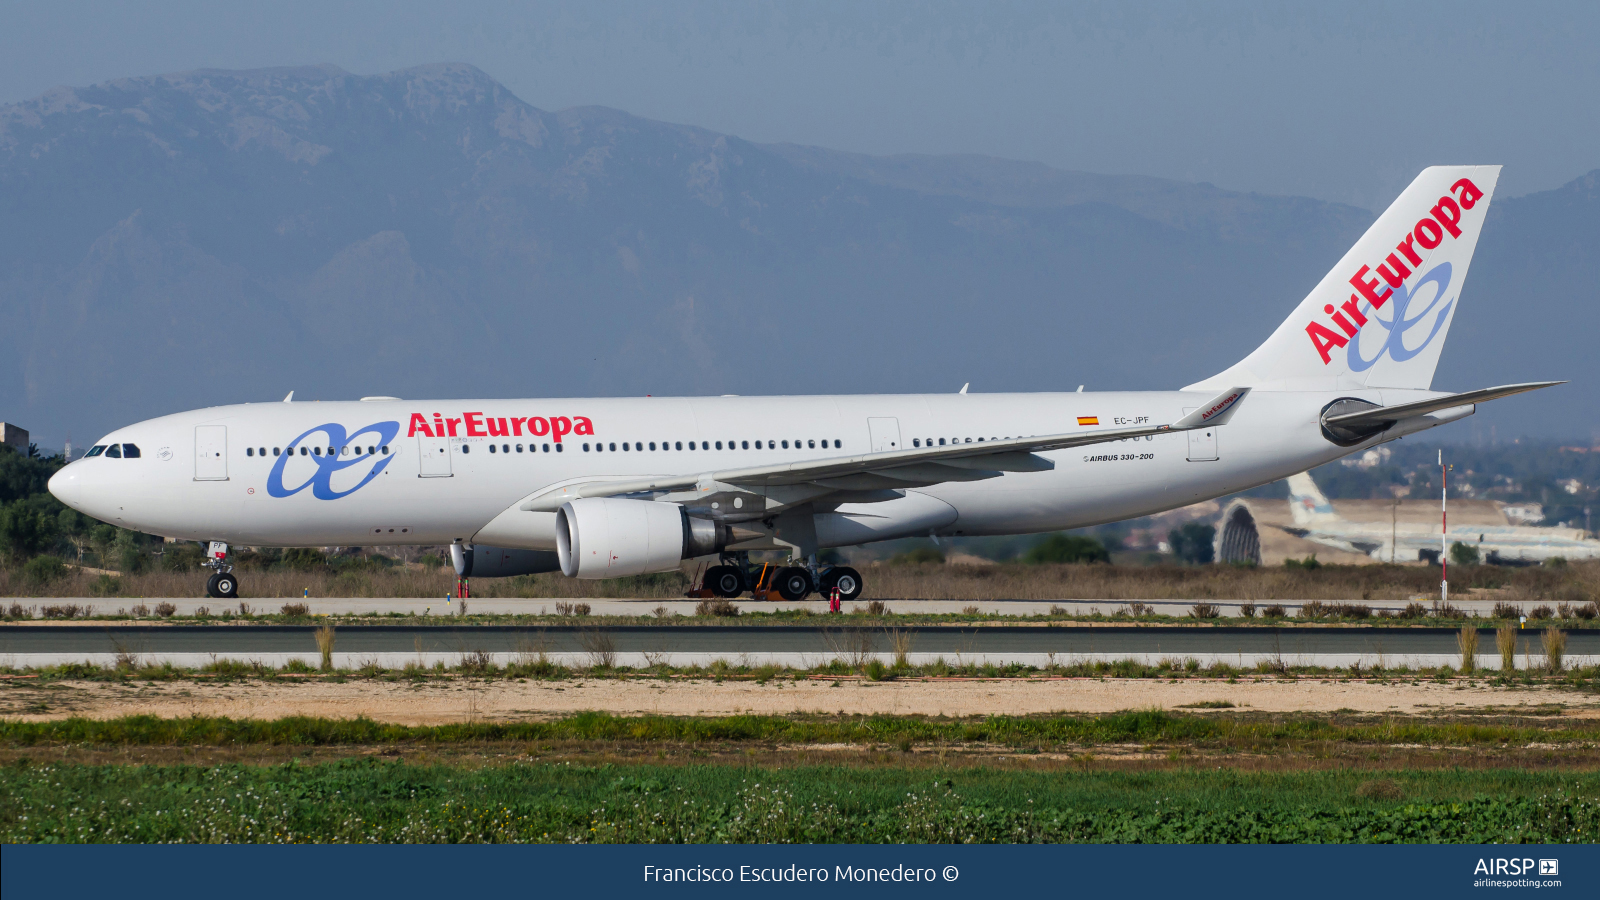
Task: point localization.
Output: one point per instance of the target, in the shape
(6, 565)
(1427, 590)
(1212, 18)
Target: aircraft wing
(1387, 414)
(874, 472)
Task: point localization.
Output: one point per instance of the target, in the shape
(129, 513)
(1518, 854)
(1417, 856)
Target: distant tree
(1464, 554)
(1067, 548)
(304, 559)
(25, 531)
(23, 475)
(1194, 543)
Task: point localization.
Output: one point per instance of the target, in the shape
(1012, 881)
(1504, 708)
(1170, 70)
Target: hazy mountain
(213, 236)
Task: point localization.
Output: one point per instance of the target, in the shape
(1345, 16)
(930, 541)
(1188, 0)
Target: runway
(793, 645)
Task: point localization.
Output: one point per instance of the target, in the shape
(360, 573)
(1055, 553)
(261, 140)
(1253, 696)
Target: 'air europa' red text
(476, 424)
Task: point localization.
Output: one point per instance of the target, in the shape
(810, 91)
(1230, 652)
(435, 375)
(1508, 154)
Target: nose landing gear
(221, 585)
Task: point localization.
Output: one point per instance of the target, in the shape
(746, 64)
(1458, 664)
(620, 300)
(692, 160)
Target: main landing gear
(221, 585)
(737, 575)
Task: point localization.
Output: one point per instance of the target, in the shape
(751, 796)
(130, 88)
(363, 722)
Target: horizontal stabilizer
(1380, 414)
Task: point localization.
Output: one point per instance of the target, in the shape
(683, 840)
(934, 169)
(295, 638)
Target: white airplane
(605, 487)
(1315, 520)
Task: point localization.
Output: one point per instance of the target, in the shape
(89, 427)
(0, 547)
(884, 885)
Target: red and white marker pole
(1444, 533)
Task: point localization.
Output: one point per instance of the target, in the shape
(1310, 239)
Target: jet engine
(483, 561)
(603, 537)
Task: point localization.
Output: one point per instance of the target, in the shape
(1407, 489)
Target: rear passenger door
(211, 453)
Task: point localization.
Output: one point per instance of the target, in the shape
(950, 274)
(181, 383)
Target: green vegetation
(1464, 554)
(1194, 542)
(1151, 727)
(1067, 548)
(390, 801)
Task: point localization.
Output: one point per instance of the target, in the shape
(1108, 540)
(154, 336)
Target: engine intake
(604, 537)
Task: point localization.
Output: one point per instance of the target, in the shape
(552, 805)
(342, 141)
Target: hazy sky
(1343, 101)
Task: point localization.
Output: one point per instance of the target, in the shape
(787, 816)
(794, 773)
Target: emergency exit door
(885, 434)
(211, 453)
(1202, 442)
(433, 454)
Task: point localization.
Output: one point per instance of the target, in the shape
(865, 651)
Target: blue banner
(582, 872)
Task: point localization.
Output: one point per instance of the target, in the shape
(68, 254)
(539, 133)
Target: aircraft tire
(846, 579)
(222, 586)
(725, 581)
(794, 583)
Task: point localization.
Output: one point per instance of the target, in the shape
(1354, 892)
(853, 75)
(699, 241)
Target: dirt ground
(437, 701)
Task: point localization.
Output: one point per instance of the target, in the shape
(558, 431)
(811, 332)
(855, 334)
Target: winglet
(290, 398)
(1216, 411)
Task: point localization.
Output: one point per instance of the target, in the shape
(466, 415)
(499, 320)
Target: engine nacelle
(483, 561)
(603, 537)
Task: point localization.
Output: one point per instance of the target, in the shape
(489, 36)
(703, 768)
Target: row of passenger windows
(506, 448)
(319, 451)
(928, 442)
(707, 445)
(114, 451)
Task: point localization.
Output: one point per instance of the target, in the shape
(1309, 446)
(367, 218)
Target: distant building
(12, 436)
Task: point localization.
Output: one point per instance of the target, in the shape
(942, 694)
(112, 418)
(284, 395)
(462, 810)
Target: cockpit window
(96, 450)
(130, 451)
(114, 451)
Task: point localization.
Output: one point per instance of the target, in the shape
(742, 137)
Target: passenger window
(467, 448)
(385, 449)
(719, 445)
(491, 448)
(785, 445)
(679, 446)
(746, 445)
(652, 445)
(624, 446)
(586, 448)
(547, 448)
(941, 442)
(505, 448)
(519, 448)
(838, 445)
(114, 451)
(303, 451)
(370, 450)
(916, 442)
(813, 444)
(612, 448)
(249, 451)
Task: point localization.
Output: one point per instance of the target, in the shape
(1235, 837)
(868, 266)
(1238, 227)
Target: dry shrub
(1204, 611)
(1141, 609)
(851, 646)
(1506, 611)
(601, 648)
(1555, 648)
(1248, 610)
(875, 608)
(1588, 611)
(245, 610)
(1542, 612)
(1505, 641)
(1414, 610)
(901, 640)
(1467, 641)
(476, 662)
(1274, 611)
(572, 609)
(970, 611)
(139, 610)
(165, 610)
(66, 611)
(325, 639)
(719, 607)
(295, 610)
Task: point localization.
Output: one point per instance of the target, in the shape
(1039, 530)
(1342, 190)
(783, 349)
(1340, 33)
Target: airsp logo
(1522, 866)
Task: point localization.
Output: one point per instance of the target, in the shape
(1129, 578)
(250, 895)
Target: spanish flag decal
(1088, 420)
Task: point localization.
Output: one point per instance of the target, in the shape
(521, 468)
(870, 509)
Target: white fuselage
(202, 475)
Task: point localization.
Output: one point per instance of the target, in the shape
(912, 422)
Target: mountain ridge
(233, 234)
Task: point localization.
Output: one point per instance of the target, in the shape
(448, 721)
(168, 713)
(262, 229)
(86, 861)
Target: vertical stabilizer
(1307, 503)
(1379, 319)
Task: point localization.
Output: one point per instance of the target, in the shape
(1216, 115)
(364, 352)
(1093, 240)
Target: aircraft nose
(67, 487)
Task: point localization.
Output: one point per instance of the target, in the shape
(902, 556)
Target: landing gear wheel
(222, 586)
(846, 579)
(725, 581)
(794, 583)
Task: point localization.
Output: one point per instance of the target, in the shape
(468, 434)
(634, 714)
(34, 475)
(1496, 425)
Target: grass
(1139, 727)
(1574, 585)
(370, 800)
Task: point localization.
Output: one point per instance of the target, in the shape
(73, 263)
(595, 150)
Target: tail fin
(1307, 503)
(1379, 319)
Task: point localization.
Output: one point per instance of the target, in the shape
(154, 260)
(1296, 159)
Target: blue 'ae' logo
(321, 482)
(1398, 323)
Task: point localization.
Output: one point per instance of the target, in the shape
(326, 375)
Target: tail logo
(1429, 232)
